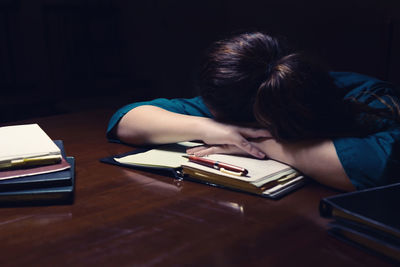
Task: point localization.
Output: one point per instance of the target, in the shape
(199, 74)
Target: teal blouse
(368, 161)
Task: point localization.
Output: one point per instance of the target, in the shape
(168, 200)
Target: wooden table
(124, 217)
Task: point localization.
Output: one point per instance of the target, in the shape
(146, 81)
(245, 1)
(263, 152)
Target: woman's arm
(317, 159)
(153, 125)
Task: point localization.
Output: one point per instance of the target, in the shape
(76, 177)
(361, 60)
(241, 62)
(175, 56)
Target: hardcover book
(45, 195)
(35, 177)
(41, 184)
(368, 218)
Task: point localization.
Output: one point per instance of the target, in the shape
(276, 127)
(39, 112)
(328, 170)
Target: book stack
(368, 219)
(34, 170)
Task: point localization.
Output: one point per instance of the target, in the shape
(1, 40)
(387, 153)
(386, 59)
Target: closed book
(46, 195)
(26, 145)
(36, 177)
(11, 176)
(267, 178)
(368, 218)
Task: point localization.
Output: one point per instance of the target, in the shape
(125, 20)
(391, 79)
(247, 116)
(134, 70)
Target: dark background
(60, 56)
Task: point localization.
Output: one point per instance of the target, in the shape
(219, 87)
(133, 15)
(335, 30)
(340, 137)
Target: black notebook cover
(376, 206)
(368, 217)
(53, 179)
(43, 195)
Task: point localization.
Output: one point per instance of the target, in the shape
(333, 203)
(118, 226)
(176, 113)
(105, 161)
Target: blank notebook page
(25, 141)
(168, 156)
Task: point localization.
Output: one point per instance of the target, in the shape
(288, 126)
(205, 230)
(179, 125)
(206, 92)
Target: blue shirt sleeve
(193, 106)
(372, 160)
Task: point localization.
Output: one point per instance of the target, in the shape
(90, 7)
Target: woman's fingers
(234, 139)
(246, 146)
(193, 150)
(240, 137)
(201, 151)
(240, 140)
(208, 151)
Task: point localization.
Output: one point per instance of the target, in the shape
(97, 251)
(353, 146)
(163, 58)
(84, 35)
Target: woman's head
(255, 78)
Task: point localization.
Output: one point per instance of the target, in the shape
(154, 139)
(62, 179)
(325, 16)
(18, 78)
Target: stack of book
(367, 218)
(33, 168)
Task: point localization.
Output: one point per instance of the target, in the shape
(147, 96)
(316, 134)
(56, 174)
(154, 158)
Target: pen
(28, 162)
(222, 166)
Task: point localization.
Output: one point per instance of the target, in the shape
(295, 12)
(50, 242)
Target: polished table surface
(125, 217)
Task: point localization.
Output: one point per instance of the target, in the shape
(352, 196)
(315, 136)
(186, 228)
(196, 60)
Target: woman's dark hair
(253, 78)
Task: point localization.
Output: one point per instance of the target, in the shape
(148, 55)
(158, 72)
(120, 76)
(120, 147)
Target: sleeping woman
(259, 97)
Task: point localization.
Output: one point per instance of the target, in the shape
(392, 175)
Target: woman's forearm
(154, 125)
(316, 159)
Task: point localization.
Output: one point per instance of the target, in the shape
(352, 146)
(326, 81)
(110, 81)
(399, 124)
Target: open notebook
(266, 178)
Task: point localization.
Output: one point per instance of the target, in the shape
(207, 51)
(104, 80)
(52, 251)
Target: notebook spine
(325, 209)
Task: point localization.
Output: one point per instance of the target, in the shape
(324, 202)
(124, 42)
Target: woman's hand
(230, 139)
(201, 151)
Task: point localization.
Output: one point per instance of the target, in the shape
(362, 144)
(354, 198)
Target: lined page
(258, 170)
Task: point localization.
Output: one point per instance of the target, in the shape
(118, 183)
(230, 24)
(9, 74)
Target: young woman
(260, 98)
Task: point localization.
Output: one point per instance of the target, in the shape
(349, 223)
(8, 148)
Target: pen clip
(230, 172)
